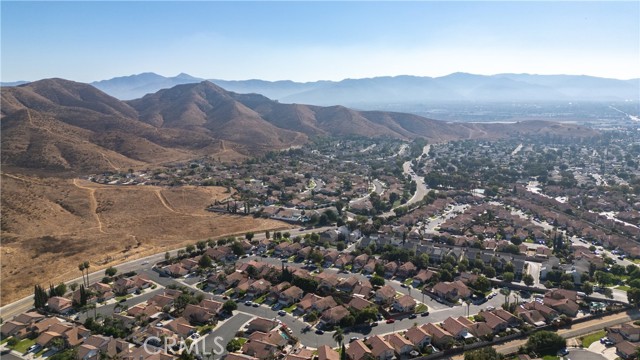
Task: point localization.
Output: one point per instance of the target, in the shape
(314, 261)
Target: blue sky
(307, 41)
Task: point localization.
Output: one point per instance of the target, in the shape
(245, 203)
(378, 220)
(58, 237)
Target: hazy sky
(307, 41)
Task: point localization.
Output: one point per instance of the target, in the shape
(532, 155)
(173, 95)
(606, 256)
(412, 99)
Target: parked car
(34, 348)
(282, 313)
(390, 321)
(248, 303)
(413, 316)
(255, 304)
(426, 313)
(563, 352)
(319, 332)
(353, 338)
(490, 308)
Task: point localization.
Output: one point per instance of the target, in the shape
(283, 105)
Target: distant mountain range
(64, 126)
(457, 87)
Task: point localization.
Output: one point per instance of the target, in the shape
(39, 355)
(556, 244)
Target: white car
(490, 308)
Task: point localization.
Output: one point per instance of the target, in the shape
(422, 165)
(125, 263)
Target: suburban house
(357, 350)
(405, 303)
(452, 291)
(323, 304)
(59, 305)
(333, 315)
(423, 277)
(439, 336)
(418, 337)
(380, 348)
(406, 270)
(325, 352)
(385, 295)
(456, 328)
(358, 303)
(261, 324)
(494, 322)
(627, 350)
(307, 301)
(400, 344)
(290, 296)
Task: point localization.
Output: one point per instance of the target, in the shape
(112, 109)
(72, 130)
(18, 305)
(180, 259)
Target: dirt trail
(109, 161)
(164, 201)
(93, 201)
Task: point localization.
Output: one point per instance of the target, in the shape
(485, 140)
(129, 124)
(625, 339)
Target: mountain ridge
(65, 126)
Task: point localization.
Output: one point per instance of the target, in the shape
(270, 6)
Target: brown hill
(61, 125)
(52, 224)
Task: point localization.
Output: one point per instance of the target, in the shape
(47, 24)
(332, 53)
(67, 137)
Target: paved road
(142, 264)
(226, 331)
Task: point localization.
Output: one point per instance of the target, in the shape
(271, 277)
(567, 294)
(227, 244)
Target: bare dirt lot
(49, 225)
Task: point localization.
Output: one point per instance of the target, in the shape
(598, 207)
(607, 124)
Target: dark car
(426, 313)
(413, 316)
(255, 304)
(319, 332)
(390, 321)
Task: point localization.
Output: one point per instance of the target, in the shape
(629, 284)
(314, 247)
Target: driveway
(582, 354)
(598, 348)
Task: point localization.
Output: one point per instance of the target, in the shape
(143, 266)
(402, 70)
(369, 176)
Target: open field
(49, 225)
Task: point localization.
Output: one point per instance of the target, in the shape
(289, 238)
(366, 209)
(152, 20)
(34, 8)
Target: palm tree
(81, 268)
(338, 336)
(506, 292)
(468, 302)
(86, 269)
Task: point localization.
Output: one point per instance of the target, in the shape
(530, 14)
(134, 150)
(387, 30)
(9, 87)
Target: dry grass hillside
(52, 224)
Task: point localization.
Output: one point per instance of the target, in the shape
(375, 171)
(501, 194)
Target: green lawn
(118, 298)
(242, 340)
(622, 287)
(290, 308)
(421, 308)
(550, 357)
(5, 340)
(591, 338)
(23, 345)
(261, 299)
(408, 281)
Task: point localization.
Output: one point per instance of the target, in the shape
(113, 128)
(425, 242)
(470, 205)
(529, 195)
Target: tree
(338, 336)
(86, 270)
(377, 280)
(506, 292)
(485, 353)
(482, 284)
(81, 268)
(633, 295)
(340, 245)
(248, 236)
(190, 248)
(234, 345)
(490, 272)
(167, 256)
(508, 277)
(40, 297)
(237, 248)
(528, 279)
(587, 288)
(267, 234)
(61, 289)
(608, 293)
(110, 271)
(545, 343)
(205, 262)
(201, 245)
(229, 306)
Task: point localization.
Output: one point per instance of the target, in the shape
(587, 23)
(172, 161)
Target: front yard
(23, 345)
(291, 308)
(591, 338)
